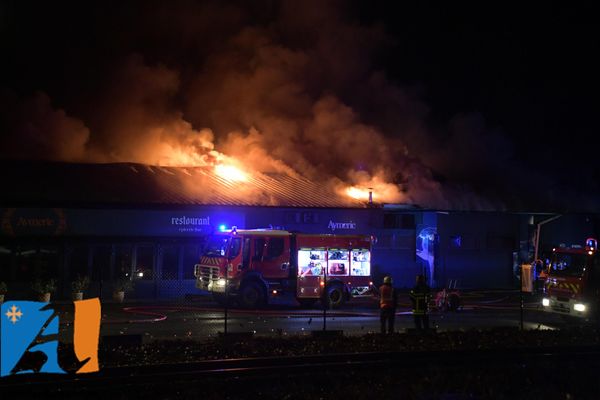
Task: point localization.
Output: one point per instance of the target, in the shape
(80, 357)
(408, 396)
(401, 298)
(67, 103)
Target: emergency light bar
(591, 244)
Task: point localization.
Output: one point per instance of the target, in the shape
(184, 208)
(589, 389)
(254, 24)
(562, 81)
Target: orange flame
(358, 193)
(382, 192)
(231, 173)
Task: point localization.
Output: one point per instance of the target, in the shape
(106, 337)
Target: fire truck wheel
(251, 295)
(334, 296)
(453, 302)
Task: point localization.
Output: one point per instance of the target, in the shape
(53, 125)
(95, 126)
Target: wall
(477, 249)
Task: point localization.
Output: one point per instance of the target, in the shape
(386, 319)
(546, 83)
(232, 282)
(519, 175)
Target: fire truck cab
(252, 266)
(573, 281)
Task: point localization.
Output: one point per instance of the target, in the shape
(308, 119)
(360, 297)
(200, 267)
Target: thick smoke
(136, 121)
(34, 129)
(277, 87)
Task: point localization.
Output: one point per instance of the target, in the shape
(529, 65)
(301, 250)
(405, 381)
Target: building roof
(34, 183)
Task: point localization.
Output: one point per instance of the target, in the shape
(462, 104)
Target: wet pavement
(200, 318)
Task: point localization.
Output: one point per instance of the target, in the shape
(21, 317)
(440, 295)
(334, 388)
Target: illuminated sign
(190, 221)
(47, 222)
(341, 225)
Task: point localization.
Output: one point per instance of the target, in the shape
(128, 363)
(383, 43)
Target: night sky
(480, 107)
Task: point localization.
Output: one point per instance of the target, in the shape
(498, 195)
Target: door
(272, 257)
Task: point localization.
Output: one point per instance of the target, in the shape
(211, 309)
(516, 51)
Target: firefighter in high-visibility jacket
(388, 299)
(419, 296)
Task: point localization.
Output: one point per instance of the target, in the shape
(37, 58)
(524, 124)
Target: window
(338, 262)
(191, 257)
(48, 262)
(293, 218)
(398, 221)
(78, 257)
(5, 262)
(275, 248)
(259, 246)
(216, 246)
(145, 262)
(25, 262)
(101, 263)
(170, 262)
(310, 218)
(246, 254)
(301, 218)
(566, 264)
(122, 261)
(311, 262)
(407, 221)
(389, 221)
(234, 249)
(361, 262)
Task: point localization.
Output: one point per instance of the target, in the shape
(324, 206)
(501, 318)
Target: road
(203, 320)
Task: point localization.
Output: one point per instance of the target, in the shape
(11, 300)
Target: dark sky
(487, 105)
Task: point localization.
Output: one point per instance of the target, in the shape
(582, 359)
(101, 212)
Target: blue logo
(29, 337)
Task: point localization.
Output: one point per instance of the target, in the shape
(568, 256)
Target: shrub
(44, 286)
(80, 283)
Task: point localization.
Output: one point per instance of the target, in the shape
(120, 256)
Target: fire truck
(251, 267)
(573, 281)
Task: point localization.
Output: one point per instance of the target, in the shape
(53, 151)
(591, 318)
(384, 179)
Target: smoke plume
(272, 87)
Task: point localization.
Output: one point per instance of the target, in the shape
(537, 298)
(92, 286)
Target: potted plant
(121, 286)
(3, 290)
(44, 288)
(80, 284)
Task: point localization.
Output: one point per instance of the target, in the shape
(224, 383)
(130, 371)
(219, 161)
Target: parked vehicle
(253, 266)
(573, 281)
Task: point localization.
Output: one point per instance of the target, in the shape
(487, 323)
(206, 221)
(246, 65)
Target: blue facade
(477, 249)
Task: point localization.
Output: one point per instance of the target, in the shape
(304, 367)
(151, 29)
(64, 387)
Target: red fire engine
(573, 281)
(251, 266)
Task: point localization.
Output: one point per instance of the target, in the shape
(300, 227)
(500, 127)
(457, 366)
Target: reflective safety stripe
(573, 287)
(420, 301)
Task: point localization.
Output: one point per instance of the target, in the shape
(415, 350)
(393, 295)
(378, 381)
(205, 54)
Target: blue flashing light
(222, 227)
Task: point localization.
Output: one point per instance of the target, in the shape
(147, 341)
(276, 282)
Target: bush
(3, 288)
(44, 286)
(80, 283)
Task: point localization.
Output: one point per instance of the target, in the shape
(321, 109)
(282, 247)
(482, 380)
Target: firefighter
(388, 299)
(419, 296)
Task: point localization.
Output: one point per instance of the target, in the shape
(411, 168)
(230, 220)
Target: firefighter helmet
(387, 279)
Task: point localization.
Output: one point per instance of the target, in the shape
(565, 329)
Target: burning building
(104, 220)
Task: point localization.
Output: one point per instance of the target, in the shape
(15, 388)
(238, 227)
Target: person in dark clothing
(388, 300)
(419, 296)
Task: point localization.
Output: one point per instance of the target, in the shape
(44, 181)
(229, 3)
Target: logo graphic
(29, 337)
